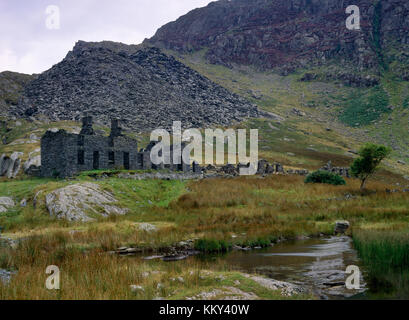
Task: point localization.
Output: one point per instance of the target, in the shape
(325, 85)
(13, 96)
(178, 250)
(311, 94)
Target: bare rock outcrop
(292, 34)
(6, 203)
(82, 202)
(32, 165)
(286, 288)
(10, 166)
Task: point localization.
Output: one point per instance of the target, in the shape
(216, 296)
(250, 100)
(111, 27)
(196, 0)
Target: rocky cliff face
(290, 34)
(11, 88)
(144, 87)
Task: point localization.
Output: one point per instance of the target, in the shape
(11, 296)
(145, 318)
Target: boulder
(34, 137)
(147, 227)
(6, 203)
(5, 276)
(15, 165)
(256, 94)
(136, 289)
(286, 288)
(299, 112)
(3, 165)
(77, 202)
(341, 227)
(10, 166)
(34, 161)
(35, 152)
(32, 166)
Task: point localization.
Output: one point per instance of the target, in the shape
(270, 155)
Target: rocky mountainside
(11, 87)
(291, 34)
(145, 87)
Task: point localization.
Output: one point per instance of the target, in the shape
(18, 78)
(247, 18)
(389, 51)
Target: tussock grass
(385, 254)
(386, 250)
(99, 276)
(249, 211)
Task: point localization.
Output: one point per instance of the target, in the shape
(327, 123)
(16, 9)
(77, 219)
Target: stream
(317, 264)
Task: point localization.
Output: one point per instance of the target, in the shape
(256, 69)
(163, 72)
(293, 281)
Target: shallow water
(318, 264)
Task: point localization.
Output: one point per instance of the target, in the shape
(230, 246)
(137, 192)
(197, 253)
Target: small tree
(370, 157)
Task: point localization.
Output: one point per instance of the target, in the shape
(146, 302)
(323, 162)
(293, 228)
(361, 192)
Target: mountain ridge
(288, 35)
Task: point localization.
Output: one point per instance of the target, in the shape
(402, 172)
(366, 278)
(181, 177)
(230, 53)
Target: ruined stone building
(64, 154)
(342, 171)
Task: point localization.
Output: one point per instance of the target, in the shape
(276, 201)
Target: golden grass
(98, 275)
(276, 206)
(252, 208)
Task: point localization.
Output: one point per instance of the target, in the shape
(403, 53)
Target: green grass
(356, 115)
(139, 196)
(385, 250)
(385, 255)
(257, 211)
(212, 246)
(406, 103)
(134, 193)
(20, 189)
(227, 279)
(363, 110)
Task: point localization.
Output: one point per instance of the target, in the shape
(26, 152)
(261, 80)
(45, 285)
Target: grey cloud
(27, 46)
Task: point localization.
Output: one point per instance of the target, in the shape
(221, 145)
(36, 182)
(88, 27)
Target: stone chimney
(87, 126)
(116, 130)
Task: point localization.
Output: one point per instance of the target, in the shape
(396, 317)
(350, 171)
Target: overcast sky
(31, 41)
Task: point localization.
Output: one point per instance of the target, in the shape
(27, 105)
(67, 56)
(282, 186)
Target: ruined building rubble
(342, 171)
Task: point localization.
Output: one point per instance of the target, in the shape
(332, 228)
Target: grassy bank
(245, 211)
(385, 255)
(95, 274)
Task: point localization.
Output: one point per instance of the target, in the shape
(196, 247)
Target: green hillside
(318, 115)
